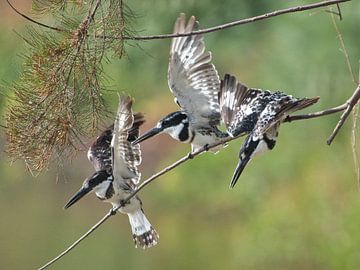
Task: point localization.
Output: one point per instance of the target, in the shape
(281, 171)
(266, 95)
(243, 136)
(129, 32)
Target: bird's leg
(206, 147)
(113, 211)
(190, 155)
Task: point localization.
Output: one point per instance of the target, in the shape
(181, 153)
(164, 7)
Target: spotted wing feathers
(246, 110)
(192, 77)
(278, 109)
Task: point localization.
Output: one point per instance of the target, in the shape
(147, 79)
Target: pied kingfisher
(257, 113)
(195, 84)
(115, 160)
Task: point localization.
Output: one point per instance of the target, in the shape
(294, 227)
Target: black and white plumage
(257, 113)
(115, 160)
(195, 84)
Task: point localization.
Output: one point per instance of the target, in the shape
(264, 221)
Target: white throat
(174, 131)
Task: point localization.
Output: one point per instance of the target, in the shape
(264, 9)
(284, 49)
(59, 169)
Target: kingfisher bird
(115, 160)
(257, 113)
(195, 84)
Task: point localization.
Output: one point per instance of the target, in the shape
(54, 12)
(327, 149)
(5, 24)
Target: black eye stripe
(173, 119)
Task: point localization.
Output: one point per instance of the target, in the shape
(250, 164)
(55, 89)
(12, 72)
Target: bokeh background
(297, 207)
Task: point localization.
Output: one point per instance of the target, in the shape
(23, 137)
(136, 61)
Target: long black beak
(81, 193)
(239, 169)
(147, 135)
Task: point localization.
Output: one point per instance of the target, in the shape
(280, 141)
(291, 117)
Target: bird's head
(98, 182)
(175, 124)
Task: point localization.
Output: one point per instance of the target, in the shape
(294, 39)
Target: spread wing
(126, 157)
(192, 77)
(99, 153)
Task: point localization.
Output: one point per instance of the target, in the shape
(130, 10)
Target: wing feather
(240, 105)
(192, 77)
(99, 153)
(126, 157)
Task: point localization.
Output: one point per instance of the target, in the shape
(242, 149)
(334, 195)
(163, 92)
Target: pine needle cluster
(58, 99)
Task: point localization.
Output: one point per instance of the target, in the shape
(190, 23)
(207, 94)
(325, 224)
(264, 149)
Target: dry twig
(206, 30)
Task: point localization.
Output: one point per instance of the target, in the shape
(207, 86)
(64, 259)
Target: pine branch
(59, 97)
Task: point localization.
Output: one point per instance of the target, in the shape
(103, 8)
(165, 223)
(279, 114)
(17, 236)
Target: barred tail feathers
(144, 234)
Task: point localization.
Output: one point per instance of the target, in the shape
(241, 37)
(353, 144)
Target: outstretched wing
(99, 153)
(126, 157)
(192, 77)
(277, 109)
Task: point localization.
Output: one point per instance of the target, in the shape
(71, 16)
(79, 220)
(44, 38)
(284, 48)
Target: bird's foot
(206, 147)
(113, 211)
(190, 155)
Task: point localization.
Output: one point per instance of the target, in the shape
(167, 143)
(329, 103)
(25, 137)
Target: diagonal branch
(206, 30)
(351, 102)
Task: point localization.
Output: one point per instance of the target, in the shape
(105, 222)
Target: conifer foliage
(58, 99)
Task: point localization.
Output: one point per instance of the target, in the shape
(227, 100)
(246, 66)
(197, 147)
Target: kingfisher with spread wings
(195, 84)
(257, 113)
(115, 160)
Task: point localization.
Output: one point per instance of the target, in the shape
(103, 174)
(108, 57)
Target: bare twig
(92, 229)
(354, 142)
(352, 101)
(346, 107)
(243, 21)
(210, 29)
(34, 21)
(337, 109)
(344, 50)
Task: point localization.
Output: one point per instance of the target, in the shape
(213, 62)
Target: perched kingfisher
(257, 113)
(195, 84)
(115, 160)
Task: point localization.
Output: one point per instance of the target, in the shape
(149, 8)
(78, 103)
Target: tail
(144, 234)
(305, 102)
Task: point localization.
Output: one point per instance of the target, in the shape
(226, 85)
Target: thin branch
(211, 29)
(34, 21)
(347, 107)
(337, 109)
(92, 229)
(352, 101)
(354, 143)
(344, 50)
(243, 21)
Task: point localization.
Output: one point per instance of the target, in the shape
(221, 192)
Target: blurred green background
(297, 207)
